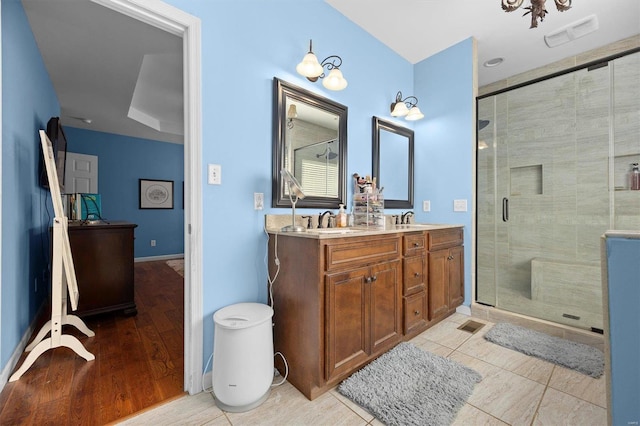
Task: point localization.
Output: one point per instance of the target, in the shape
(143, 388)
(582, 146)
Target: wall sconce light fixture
(292, 113)
(407, 108)
(313, 70)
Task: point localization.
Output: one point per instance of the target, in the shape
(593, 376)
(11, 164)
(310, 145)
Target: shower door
(551, 168)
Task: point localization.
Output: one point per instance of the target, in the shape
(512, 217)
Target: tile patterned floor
(516, 389)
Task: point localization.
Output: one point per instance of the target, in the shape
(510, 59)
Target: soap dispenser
(341, 217)
(634, 177)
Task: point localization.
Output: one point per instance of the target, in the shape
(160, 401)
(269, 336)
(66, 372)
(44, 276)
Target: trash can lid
(242, 315)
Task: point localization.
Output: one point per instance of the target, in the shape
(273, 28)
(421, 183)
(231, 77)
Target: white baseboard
(464, 310)
(17, 353)
(163, 257)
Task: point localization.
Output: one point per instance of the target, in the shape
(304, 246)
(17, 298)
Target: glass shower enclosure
(554, 162)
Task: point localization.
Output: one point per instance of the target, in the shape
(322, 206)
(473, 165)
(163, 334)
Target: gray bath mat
(408, 386)
(576, 356)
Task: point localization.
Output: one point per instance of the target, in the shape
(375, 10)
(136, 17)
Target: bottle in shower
(634, 177)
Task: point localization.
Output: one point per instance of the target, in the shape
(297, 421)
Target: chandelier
(536, 9)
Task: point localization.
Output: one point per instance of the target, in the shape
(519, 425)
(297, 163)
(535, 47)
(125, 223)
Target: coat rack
(62, 275)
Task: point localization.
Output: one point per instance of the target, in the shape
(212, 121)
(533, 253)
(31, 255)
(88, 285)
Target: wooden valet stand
(62, 275)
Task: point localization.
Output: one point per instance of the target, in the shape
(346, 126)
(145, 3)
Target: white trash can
(242, 356)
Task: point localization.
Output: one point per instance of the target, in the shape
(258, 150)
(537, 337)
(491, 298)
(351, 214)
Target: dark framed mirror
(309, 140)
(393, 162)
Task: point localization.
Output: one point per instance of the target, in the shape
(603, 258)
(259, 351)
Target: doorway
(177, 22)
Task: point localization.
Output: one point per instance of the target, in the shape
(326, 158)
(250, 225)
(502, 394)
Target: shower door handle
(505, 209)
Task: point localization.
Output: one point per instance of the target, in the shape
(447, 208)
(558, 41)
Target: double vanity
(344, 296)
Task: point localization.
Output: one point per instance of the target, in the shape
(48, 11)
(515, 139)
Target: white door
(81, 174)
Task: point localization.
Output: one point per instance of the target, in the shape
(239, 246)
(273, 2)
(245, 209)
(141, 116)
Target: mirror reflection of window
(316, 167)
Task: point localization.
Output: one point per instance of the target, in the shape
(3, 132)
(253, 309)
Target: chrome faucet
(405, 217)
(321, 218)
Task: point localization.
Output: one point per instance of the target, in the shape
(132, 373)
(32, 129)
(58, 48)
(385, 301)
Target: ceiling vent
(572, 31)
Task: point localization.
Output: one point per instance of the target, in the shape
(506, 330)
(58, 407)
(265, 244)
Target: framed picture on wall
(156, 194)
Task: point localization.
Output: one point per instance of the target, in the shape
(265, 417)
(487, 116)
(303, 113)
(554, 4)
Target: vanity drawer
(413, 244)
(444, 238)
(414, 273)
(415, 312)
(361, 252)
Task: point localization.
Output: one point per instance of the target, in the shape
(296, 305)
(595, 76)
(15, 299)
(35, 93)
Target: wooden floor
(139, 362)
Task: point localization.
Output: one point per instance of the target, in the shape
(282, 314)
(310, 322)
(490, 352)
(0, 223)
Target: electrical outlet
(258, 201)
(426, 206)
(214, 174)
(153, 243)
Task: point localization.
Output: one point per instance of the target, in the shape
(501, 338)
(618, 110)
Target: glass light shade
(309, 67)
(292, 112)
(414, 114)
(400, 110)
(335, 80)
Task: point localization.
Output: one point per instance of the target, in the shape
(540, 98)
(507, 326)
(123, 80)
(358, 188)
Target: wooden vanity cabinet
(446, 271)
(337, 305)
(363, 316)
(414, 296)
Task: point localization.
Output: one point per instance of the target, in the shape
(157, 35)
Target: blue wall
(269, 40)
(122, 160)
(28, 101)
(444, 84)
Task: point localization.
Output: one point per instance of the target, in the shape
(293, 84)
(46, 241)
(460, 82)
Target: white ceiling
(94, 55)
(95, 59)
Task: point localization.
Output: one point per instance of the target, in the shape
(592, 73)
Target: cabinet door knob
(416, 312)
(374, 278)
(416, 275)
(416, 244)
(367, 280)
(450, 257)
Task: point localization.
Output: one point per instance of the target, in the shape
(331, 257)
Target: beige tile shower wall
(626, 83)
(557, 133)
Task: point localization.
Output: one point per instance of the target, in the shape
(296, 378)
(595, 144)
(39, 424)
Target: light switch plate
(459, 205)
(426, 206)
(258, 201)
(214, 173)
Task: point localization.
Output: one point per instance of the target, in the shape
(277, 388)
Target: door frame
(186, 26)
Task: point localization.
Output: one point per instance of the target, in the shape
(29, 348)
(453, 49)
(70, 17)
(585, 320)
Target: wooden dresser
(103, 259)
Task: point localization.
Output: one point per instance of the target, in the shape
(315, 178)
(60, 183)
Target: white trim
(175, 21)
(3, 379)
(161, 257)
(464, 310)
(19, 350)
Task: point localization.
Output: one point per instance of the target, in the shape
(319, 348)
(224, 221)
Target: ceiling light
(493, 62)
(536, 8)
(406, 108)
(313, 70)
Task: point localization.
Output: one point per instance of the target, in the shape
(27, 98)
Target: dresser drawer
(415, 312)
(415, 274)
(361, 252)
(444, 238)
(413, 244)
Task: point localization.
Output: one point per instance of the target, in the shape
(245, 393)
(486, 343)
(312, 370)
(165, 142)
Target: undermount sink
(332, 230)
